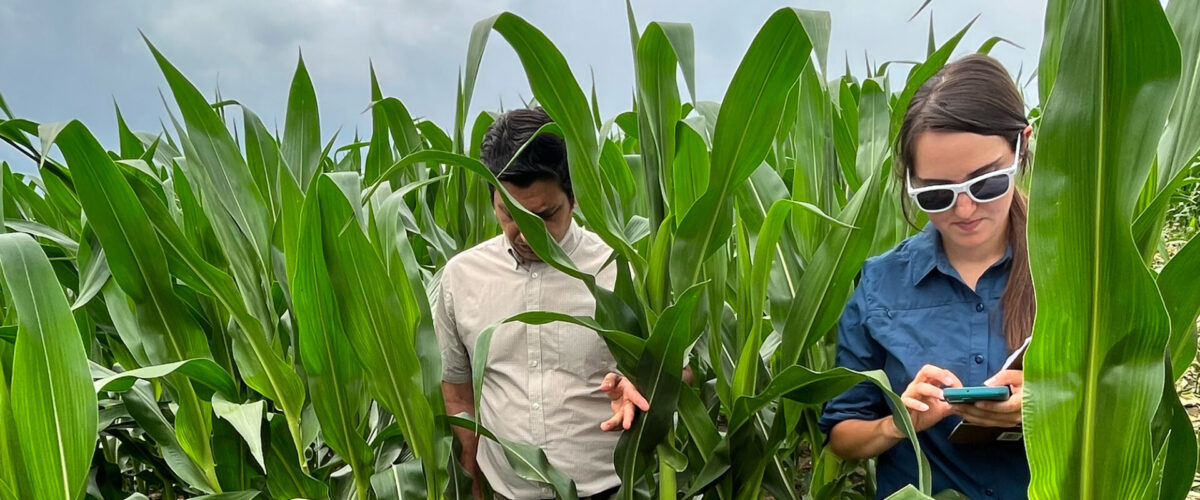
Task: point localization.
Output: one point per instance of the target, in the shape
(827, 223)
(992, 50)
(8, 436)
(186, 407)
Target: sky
(72, 59)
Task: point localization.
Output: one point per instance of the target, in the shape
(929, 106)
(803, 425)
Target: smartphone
(973, 394)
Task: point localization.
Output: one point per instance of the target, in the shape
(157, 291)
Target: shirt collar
(926, 254)
(568, 243)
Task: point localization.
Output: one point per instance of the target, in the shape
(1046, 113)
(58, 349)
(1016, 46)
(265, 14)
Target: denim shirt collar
(925, 253)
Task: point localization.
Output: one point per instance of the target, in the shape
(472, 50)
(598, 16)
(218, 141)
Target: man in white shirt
(545, 385)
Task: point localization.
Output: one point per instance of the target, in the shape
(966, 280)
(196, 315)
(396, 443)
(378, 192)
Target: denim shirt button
(979, 359)
(979, 307)
(989, 492)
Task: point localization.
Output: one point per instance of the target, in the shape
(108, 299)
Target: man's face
(546, 199)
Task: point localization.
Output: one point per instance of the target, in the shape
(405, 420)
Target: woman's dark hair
(976, 94)
(544, 158)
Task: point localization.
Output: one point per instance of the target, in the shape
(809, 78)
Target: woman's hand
(997, 413)
(923, 398)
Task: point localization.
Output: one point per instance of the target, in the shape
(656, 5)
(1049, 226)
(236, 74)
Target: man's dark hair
(544, 158)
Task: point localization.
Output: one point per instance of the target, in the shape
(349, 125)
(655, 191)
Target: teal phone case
(973, 394)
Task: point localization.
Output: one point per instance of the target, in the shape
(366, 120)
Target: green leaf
(43, 231)
(374, 319)
(93, 275)
(658, 376)
(923, 72)
(560, 95)
(54, 411)
(806, 386)
(1086, 430)
(262, 367)
(659, 110)
(329, 363)
(285, 478)
(165, 329)
(823, 290)
(1052, 45)
(233, 495)
(527, 461)
(745, 127)
(1181, 140)
(201, 370)
(214, 155)
(12, 468)
(1176, 282)
(400, 482)
(301, 146)
(246, 419)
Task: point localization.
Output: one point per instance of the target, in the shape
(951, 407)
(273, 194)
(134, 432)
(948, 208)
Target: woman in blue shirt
(947, 306)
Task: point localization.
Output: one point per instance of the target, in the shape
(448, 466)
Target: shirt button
(979, 359)
(533, 363)
(978, 307)
(535, 275)
(989, 492)
(537, 406)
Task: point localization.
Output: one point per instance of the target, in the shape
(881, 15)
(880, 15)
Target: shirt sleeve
(456, 364)
(858, 351)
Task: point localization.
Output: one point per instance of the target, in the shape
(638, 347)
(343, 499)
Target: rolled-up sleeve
(858, 351)
(456, 364)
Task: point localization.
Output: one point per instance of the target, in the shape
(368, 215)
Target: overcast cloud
(64, 59)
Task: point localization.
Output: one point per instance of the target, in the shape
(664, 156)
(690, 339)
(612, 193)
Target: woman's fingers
(1010, 406)
(979, 416)
(937, 375)
(914, 404)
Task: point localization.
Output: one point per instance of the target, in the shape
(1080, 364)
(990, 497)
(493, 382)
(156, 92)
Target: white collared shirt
(541, 385)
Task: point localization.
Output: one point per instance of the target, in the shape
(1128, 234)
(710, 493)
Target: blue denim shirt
(911, 308)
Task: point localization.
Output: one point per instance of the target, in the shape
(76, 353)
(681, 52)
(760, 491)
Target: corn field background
(222, 310)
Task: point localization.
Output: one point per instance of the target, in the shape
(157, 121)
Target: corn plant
(1091, 434)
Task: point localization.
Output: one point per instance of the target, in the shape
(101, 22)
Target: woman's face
(956, 157)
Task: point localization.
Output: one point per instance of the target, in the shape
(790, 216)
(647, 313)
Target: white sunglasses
(983, 189)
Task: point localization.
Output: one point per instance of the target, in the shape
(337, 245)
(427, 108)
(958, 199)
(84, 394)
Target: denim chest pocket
(916, 337)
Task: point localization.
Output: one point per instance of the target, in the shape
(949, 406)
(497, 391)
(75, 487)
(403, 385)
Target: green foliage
(254, 310)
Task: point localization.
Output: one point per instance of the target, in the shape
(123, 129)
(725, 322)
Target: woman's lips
(968, 225)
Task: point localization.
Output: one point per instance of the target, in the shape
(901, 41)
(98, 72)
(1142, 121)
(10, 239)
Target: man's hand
(997, 413)
(625, 397)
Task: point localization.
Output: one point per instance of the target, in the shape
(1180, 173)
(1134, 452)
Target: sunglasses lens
(935, 200)
(990, 188)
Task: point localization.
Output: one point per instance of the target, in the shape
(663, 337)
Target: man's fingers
(611, 423)
(609, 382)
(636, 397)
(627, 411)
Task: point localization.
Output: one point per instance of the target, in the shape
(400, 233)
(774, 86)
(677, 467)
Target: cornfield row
(214, 309)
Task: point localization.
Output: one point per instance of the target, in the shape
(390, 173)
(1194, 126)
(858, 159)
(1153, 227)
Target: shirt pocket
(916, 337)
(583, 352)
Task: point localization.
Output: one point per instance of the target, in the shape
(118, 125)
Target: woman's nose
(964, 206)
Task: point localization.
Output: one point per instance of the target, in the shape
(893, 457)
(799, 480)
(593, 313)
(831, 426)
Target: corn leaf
(166, 330)
(328, 359)
(748, 120)
(54, 410)
(1094, 373)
